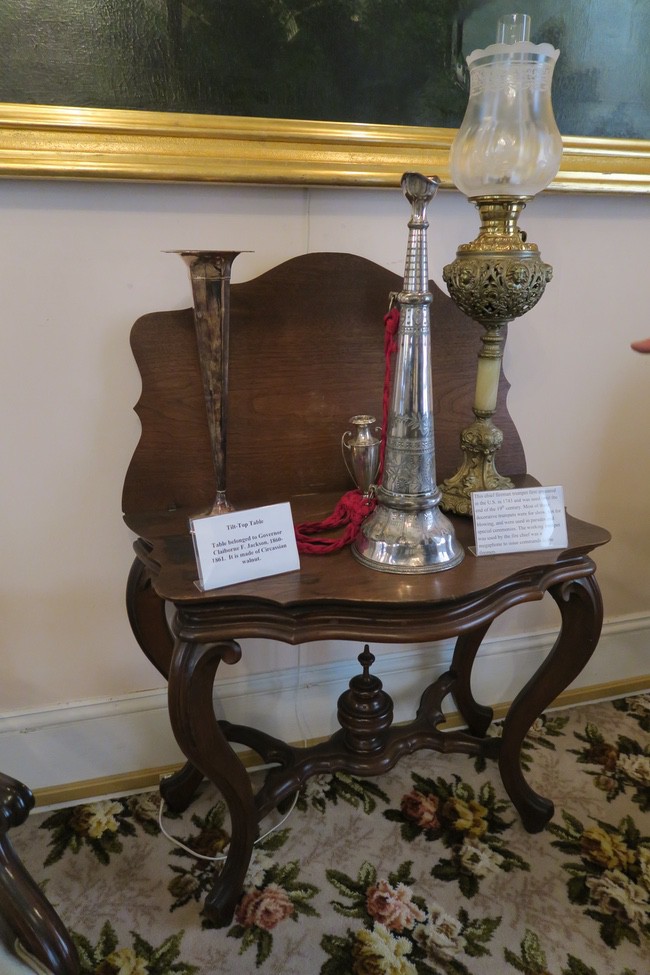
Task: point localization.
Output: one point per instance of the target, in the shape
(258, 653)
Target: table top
(337, 591)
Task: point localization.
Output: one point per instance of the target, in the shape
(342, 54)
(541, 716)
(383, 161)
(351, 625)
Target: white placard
(521, 520)
(243, 545)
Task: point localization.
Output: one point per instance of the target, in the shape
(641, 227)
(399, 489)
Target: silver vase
(361, 451)
(210, 279)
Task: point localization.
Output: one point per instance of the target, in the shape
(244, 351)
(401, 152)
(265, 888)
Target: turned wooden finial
(365, 711)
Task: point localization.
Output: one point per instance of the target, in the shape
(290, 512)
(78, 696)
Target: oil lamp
(507, 150)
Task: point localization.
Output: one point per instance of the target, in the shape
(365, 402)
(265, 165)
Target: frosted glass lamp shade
(508, 144)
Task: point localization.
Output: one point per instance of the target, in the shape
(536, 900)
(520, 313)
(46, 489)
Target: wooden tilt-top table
(306, 353)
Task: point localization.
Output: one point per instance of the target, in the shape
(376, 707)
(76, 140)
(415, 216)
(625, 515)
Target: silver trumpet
(407, 532)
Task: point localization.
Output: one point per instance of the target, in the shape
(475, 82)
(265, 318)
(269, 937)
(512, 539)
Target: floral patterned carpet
(426, 869)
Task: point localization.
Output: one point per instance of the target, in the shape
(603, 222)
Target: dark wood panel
(306, 353)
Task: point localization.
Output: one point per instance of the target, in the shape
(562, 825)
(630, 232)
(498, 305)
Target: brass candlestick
(496, 278)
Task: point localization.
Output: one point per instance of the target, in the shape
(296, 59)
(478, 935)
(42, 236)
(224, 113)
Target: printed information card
(521, 520)
(243, 545)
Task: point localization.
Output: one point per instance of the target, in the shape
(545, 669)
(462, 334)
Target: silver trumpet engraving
(361, 452)
(407, 532)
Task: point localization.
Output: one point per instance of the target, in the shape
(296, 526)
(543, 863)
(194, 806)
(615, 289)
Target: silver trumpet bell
(407, 532)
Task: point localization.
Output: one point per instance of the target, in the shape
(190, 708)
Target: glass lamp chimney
(508, 145)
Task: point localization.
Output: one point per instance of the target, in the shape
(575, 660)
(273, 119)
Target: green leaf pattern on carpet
(424, 871)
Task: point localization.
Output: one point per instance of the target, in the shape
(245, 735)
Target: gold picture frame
(60, 142)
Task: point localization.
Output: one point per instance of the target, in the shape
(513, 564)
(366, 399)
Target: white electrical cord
(223, 856)
(201, 856)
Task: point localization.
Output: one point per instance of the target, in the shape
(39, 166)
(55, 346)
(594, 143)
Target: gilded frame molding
(60, 142)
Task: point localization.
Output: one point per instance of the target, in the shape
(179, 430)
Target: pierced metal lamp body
(496, 278)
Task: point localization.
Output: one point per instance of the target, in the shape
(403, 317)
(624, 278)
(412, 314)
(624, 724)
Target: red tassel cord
(391, 322)
(353, 508)
(350, 512)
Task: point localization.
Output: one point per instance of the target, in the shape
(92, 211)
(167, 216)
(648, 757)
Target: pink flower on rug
(422, 809)
(264, 908)
(393, 906)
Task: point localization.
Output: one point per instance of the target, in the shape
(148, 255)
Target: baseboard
(102, 747)
(143, 779)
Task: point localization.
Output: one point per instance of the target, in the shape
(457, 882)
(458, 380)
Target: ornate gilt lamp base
(497, 277)
(479, 443)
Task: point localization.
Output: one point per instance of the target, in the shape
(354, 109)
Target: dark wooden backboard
(306, 354)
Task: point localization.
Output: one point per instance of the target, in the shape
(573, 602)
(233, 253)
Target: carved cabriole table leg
(366, 743)
(202, 740)
(477, 716)
(148, 618)
(581, 611)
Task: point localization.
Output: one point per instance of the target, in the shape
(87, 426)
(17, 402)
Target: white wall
(81, 261)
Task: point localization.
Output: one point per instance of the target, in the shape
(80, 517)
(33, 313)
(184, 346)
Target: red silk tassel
(391, 322)
(350, 511)
(353, 508)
